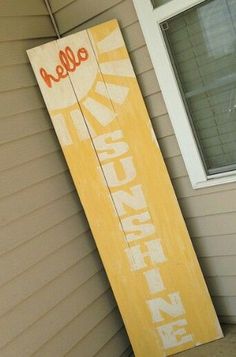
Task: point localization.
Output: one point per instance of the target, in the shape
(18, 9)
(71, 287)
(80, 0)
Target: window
(193, 46)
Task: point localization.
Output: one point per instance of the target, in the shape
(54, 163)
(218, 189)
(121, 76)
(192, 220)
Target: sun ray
(111, 42)
(61, 130)
(116, 92)
(101, 112)
(117, 68)
(84, 132)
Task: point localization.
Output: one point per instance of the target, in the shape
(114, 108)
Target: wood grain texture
(103, 127)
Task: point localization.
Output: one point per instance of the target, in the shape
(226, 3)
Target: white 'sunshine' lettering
(137, 227)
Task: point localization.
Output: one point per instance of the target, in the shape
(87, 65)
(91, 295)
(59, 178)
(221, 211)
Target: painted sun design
(108, 89)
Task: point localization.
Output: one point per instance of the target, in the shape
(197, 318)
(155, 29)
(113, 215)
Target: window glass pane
(157, 3)
(202, 45)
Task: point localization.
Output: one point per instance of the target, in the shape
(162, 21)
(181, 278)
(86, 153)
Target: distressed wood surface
(97, 110)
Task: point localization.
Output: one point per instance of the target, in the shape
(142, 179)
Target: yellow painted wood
(117, 167)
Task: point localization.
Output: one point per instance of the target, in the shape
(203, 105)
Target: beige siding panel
(228, 319)
(14, 77)
(184, 188)
(59, 284)
(133, 36)
(222, 286)
(98, 337)
(28, 148)
(148, 83)
(218, 224)
(81, 341)
(116, 346)
(25, 256)
(24, 124)
(212, 246)
(141, 60)
(32, 172)
(225, 305)
(37, 305)
(124, 12)
(37, 222)
(58, 4)
(169, 147)
(23, 8)
(34, 197)
(19, 28)
(90, 305)
(176, 166)
(72, 15)
(162, 126)
(17, 101)
(219, 266)
(155, 105)
(214, 203)
(14, 52)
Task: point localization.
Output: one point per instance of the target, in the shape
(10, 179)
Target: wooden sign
(98, 113)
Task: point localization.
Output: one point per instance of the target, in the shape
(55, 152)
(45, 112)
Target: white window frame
(150, 20)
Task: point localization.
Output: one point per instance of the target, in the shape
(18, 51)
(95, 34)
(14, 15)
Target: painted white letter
(108, 147)
(137, 257)
(169, 335)
(134, 199)
(137, 224)
(111, 175)
(174, 308)
(154, 280)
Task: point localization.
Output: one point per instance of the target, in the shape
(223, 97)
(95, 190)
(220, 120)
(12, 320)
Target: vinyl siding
(55, 298)
(210, 213)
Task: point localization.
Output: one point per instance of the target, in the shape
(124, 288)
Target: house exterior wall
(210, 213)
(55, 299)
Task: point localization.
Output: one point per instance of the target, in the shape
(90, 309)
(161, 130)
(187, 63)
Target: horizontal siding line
(80, 209)
(39, 234)
(18, 89)
(36, 209)
(24, 16)
(219, 276)
(115, 334)
(34, 184)
(111, 338)
(216, 256)
(30, 38)
(115, 308)
(64, 170)
(150, 95)
(63, 7)
(215, 235)
(209, 215)
(131, 24)
(45, 257)
(28, 214)
(217, 188)
(128, 352)
(14, 65)
(75, 317)
(35, 159)
(58, 276)
(26, 137)
(26, 111)
(137, 49)
(91, 18)
(28, 327)
(87, 230)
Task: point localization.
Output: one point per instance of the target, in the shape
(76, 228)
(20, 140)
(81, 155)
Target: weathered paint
(95, 104)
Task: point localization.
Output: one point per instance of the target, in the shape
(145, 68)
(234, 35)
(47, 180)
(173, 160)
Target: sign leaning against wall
(98, 113)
